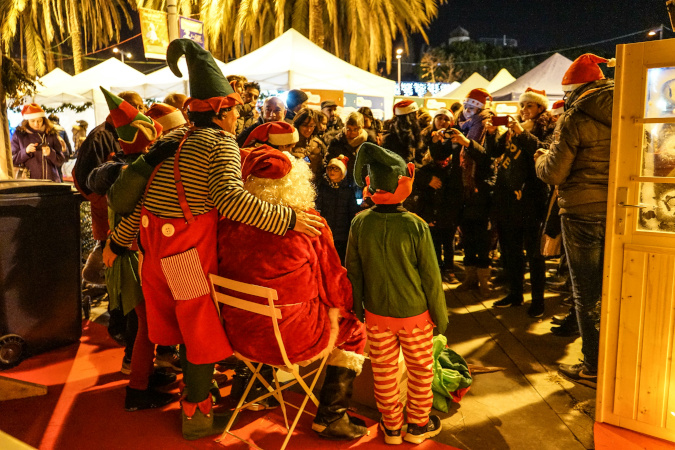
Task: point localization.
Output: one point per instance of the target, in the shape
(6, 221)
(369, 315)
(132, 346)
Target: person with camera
(437, 189)
(520, 196)
(36, 145)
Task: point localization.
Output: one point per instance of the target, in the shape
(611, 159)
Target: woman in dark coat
(36, 145)
(520, 198)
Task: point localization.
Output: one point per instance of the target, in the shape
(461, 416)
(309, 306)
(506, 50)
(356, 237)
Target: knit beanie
(166, 115)
(266, 162)
(583, 70)
(478, 98)
(444, 112)
(295, 97)
(135, 130)
(389, 179)
(273, 133)
(405, 107)
(209, 89)
(534, 96)
(32, 111)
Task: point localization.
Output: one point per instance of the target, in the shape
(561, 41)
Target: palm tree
(359, 31)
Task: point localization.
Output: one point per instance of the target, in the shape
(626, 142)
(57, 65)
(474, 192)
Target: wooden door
(636, 388)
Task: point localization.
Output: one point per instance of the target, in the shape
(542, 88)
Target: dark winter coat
(40, 167)
(337, 205)
(340, 146)
(241, 137)
(519, 194)
(439, 206)
(100, 146)
(409, 151)
(578, 157)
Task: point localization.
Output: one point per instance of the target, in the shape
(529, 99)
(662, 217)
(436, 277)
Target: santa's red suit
(309, 279)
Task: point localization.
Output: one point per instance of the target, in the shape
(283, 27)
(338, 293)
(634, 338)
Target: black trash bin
(40, 295)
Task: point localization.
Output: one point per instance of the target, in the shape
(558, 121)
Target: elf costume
(309, 280)
(136, 131)
(178, 220)
(397, 289)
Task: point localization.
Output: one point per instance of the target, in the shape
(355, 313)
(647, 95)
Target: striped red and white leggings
(417, 352)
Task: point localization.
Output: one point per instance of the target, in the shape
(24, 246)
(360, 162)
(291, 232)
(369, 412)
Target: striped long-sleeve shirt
(210, 167)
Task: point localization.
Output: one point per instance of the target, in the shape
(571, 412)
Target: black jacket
(337, 205)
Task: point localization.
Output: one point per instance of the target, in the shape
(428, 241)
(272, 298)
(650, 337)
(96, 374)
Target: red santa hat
(405, 107)
(340, 162)
(558, 107)
(583, 70)
(478, 98)
(534, 96)
(166, 115)
(32, 111)
(266, 162)
(273, 133)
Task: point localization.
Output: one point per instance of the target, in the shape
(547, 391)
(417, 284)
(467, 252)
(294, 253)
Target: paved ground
(526, 405)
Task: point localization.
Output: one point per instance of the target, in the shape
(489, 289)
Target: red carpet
(84, 409)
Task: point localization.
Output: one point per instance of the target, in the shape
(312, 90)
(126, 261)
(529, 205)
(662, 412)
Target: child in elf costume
(136, 132)
(397, 288)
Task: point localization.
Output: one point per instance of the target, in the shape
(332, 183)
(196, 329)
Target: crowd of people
(352, 222)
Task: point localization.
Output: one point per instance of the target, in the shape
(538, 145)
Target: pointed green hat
(383, 166)
(206, 79)
(123, 114)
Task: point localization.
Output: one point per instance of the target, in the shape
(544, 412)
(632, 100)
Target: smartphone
(500, 121)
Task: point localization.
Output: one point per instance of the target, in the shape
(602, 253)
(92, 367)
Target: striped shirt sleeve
(125, 232)
(233, 202)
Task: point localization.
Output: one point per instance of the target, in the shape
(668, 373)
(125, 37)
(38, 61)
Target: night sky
(550, 24)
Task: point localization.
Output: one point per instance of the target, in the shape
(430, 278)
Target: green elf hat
(135, 130)
(209, 89)
(388, 179)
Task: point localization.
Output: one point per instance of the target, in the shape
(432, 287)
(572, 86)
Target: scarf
(358, 140)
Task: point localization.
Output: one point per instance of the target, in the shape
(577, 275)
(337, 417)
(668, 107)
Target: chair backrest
(269, 310)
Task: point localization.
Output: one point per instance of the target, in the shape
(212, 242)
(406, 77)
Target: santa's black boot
(332, 420)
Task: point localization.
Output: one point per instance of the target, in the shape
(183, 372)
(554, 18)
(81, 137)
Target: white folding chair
(274, 313)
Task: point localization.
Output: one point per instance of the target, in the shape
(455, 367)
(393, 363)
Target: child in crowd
(398, 291)
(336, 202)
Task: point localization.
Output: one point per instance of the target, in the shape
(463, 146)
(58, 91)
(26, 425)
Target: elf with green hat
(397, 289)
(136, 132)
(178, 217)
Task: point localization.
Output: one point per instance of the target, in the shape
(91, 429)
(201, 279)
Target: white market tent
(84, 87)
(475, 81)
(503, 78)
(547, 76)
(292, 61)
(162, 82)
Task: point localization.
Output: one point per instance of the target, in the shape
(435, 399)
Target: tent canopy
(475, 81)
(546, 76)
(292, 61)
(503, 78)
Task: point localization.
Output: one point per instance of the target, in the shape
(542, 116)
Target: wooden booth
(636, 382)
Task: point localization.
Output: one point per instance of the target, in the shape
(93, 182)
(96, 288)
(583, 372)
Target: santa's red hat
(534, 96)
(32, 111)
(166, 115)
(583, 70)
(273, 133)
(340, 162)
(266, 162)
(558, 107)
(478, 98)
(405, 107)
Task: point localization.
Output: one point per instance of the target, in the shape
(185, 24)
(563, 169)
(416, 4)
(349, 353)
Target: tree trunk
(6, 168)
(76, 36)
(316, 22)
(21, 60)
(49, 54)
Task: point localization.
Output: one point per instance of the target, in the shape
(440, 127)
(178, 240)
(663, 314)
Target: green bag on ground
(451, 374)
